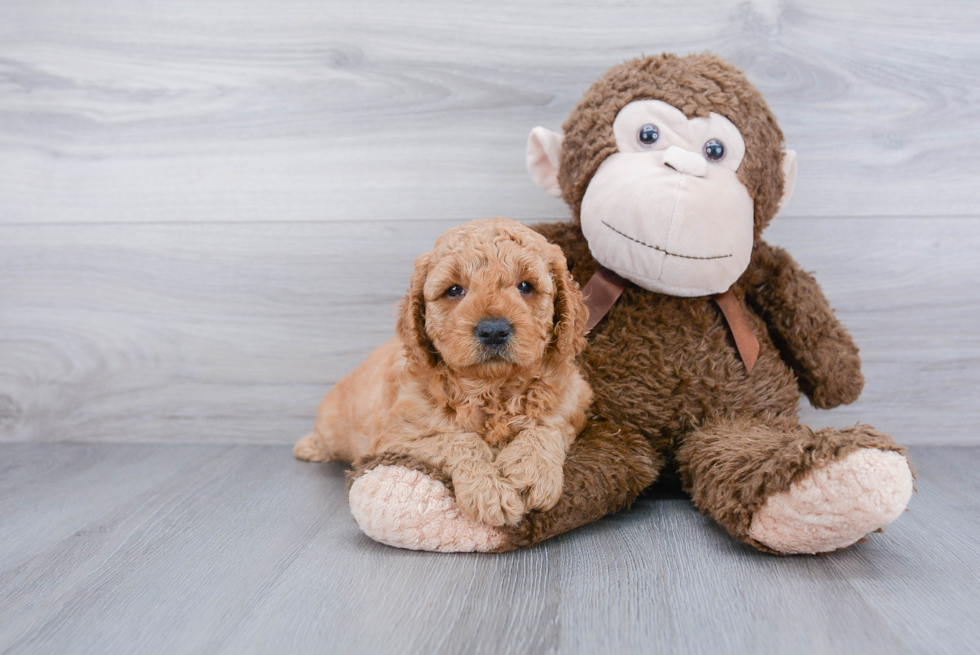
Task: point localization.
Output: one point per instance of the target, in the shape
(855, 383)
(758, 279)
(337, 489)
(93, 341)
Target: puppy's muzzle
(494, 332)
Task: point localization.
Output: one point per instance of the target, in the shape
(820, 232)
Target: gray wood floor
(109, 548)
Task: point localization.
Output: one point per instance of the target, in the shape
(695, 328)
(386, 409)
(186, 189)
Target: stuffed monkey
(704, 336)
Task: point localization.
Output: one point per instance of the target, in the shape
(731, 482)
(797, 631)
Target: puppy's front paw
(540, 480)
(489, 499)
(544, 494)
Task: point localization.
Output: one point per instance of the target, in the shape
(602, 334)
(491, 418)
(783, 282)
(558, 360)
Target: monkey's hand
(533, 462)
(837, 378)
(803, 326)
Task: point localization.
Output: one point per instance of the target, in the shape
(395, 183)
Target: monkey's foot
(405, 508)
(836, 505)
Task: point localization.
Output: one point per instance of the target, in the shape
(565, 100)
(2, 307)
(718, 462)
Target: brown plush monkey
(672, 167)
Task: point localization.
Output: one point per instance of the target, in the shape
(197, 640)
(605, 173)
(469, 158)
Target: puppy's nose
(493, 331)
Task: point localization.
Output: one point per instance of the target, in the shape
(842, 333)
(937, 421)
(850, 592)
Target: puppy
(480, 380)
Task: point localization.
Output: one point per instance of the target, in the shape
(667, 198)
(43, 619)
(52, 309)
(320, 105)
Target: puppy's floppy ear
(568, 338)
(411, 321)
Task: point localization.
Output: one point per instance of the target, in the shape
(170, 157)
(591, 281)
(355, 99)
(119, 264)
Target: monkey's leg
(401, 501)
(785, 488)
(605, 470)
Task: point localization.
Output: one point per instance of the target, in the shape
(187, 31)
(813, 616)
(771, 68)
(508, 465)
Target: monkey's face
(668, 211)
(670, 203)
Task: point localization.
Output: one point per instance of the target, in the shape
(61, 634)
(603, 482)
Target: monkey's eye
(455, 291)
(714, 150)
(525, 287)
(648, 135)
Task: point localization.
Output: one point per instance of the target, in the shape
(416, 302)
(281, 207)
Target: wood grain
(241, 549)
(183, 111)
(233, 333)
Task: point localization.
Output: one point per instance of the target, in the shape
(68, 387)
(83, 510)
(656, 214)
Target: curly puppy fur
(498, 418)
(671, 393)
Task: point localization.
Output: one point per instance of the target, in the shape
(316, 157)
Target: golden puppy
(481, 379)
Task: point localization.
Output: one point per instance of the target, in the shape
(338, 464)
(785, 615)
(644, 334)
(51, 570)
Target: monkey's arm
(803, 327)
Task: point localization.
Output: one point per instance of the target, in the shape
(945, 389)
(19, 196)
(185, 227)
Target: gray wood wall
(207, 210)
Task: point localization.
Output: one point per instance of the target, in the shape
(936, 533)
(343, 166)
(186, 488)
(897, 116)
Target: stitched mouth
(658, 248)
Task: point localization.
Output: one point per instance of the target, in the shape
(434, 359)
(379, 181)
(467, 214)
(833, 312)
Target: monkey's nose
(685, 161)
(493, 331)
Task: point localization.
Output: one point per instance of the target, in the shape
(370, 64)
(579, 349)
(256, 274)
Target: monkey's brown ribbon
(745, 341)
(601, 292)
(605, 287)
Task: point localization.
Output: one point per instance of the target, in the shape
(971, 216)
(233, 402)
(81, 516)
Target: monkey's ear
(789, 179)
(543, 159)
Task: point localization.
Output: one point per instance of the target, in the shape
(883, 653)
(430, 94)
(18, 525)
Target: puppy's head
(493, 297)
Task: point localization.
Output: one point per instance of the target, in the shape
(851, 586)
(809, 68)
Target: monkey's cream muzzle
(666, 229)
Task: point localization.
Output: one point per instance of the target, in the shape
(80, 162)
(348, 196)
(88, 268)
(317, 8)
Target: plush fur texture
(497, 415)
(672, 396)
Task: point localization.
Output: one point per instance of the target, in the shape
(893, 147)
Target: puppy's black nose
(493, 331)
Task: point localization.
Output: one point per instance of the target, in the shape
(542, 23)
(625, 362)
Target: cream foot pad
(836, 505)
(408, 509)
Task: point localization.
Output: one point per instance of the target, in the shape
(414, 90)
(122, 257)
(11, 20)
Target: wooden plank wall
(207, 210)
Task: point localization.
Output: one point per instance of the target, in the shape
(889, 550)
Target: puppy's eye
(525, 287)
(455, 291)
